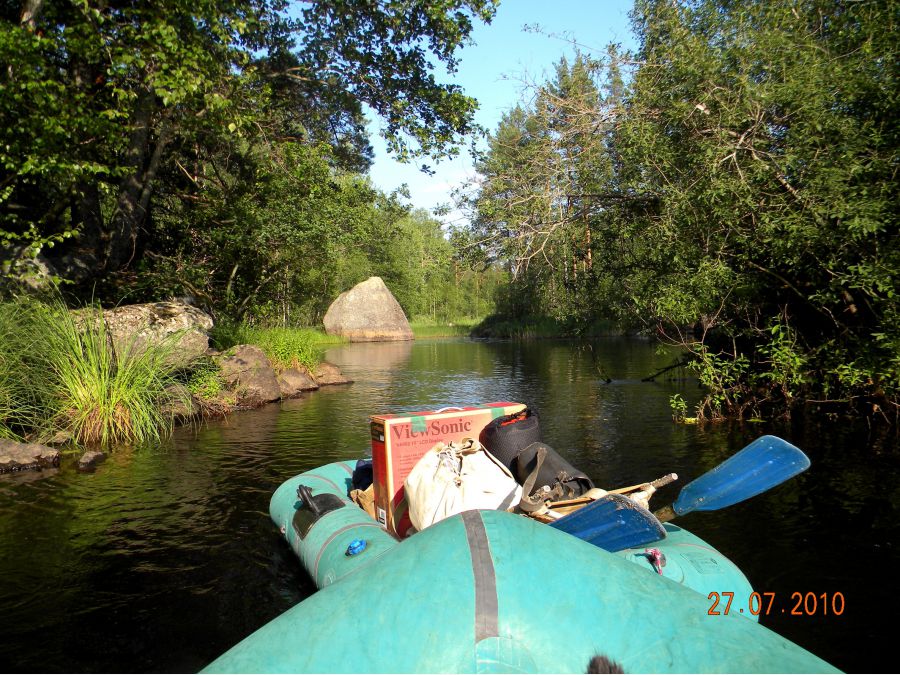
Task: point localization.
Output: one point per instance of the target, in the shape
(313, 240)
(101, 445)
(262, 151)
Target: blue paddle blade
(612, 522)
(765, 463)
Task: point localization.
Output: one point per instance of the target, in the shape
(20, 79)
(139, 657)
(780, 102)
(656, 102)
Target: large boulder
(368, 312)
(133, 327)
(26, 456)
(247, 371)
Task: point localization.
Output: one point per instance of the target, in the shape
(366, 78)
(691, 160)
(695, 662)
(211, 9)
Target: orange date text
(800, 604)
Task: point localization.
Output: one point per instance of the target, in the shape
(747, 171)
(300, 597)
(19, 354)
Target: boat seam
(322, 478)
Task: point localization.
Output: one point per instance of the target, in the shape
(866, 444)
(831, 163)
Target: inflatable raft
(491, 592)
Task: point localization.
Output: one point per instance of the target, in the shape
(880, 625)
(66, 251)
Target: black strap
(528, 504)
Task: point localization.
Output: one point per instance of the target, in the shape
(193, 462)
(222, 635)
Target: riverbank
(541, 327)
(457, 328)
(517, 328)
(91, 378)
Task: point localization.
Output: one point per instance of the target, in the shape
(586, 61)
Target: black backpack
(538, 465)
(515, 440)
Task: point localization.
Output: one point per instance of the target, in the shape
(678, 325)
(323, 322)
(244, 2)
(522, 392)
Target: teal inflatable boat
(495, 592)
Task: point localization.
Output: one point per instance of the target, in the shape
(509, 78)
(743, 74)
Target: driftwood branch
(680, 364)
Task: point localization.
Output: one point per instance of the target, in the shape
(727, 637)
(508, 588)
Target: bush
(205, 380)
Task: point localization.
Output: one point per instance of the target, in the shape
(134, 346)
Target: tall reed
(20, 409)
(70, 371)
(7, 368)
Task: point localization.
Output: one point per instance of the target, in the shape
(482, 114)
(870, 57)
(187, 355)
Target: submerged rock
(16, 456)
(368, 312)
(328, 373)
(293, 381)
(247, 372)
(90, 459)
(61, 437)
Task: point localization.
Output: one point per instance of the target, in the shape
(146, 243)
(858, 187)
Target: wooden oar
(591, 495)
(546, 516)
(658, 483)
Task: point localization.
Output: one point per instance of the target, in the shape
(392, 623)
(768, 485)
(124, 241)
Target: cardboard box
(399, 441)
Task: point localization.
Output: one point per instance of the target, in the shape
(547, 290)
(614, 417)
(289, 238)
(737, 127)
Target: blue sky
(493, 71)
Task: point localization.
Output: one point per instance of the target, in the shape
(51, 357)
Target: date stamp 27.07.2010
(800, 604)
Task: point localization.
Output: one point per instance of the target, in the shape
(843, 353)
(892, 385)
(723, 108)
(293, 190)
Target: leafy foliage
(104, 106)
(774, 160)
(736, 197)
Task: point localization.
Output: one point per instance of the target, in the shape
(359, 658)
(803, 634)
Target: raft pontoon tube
(489, 592)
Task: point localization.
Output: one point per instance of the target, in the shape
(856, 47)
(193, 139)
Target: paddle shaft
(765, 463)
(658, 483)
(665, 514)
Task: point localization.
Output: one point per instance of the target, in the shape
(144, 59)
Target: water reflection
(375, 356)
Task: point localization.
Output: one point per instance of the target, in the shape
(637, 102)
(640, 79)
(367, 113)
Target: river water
(165, 556)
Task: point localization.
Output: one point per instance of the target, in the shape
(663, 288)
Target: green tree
(547, 167)
(733, 192)
(768, 130)
(99, 99)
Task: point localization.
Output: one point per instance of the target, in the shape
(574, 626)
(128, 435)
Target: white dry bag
(455, 477)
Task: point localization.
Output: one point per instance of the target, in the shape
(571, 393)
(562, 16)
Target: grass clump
(67, 376)
(208, 389)
(14, 413)
(205, 380)
(285, 347)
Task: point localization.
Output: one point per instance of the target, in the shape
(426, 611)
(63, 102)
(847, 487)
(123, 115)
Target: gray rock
(328, 373)
(293, 381)
(26, 267)
(133, 327)
(181, 405)
(368, 312)
(61, 437)
(247, 371)
(26, 456)
(90, 460)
